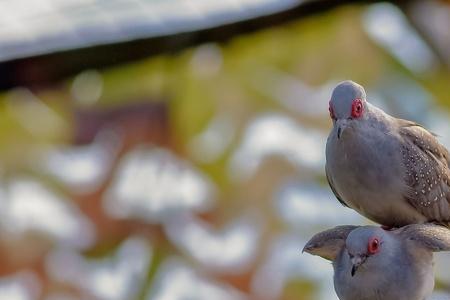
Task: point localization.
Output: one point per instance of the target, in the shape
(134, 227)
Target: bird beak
(341, 125)
(354, 268)
(356, 262)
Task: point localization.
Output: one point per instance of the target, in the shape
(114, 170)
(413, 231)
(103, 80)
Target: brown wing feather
(329, 243)
(427, 172)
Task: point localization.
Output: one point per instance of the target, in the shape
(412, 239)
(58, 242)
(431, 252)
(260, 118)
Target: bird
(371, 263)
(392, 171)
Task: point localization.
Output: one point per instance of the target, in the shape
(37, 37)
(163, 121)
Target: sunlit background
(174, 150)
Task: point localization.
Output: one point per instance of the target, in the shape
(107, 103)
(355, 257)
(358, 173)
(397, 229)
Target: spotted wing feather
(427, 172)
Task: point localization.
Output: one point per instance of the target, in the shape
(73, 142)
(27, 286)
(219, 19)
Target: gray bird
(390, 170)
(373, 264)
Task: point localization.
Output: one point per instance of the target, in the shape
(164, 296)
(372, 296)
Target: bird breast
(364, 161)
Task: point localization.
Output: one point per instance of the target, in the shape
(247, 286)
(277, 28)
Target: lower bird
(373, 264)
(392, 171)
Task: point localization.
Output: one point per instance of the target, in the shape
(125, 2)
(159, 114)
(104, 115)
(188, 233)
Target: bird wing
(329, 243)
(330, 183)
(427, 175)
(430, 236)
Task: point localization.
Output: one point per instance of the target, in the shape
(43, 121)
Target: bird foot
(387, 228)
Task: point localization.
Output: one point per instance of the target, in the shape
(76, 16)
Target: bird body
(390, 170)
(373, 264)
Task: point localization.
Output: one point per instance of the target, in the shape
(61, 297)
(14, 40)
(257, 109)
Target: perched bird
(373, 264)
(390, 170)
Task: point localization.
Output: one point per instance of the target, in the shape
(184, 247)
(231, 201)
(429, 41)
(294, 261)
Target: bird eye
(357, 108)
(374, 245)
(330, 109)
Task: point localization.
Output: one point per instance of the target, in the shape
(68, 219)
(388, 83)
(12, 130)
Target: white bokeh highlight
(84, 168)
(151, 183)
(175, 280)
(27, 205)
(116, 277)
(229, 250)
(387, 25)
(23, 285)
(307, 206)
(285, 262)
(214, 140)
(277, 135)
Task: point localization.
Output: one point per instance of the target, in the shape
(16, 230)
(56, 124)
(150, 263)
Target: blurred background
(174, 150)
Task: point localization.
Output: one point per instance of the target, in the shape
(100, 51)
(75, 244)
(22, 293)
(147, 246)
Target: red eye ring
(357, 108)
(330, 109)
(373, 246)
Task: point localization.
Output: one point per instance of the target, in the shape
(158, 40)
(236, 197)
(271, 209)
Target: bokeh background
(174, 150)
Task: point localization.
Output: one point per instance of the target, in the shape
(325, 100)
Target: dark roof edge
(45, 69)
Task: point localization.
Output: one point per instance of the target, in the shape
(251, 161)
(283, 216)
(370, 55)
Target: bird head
(366, 246)
(347, 105)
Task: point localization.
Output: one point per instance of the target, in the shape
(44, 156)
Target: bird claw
(388, 228)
